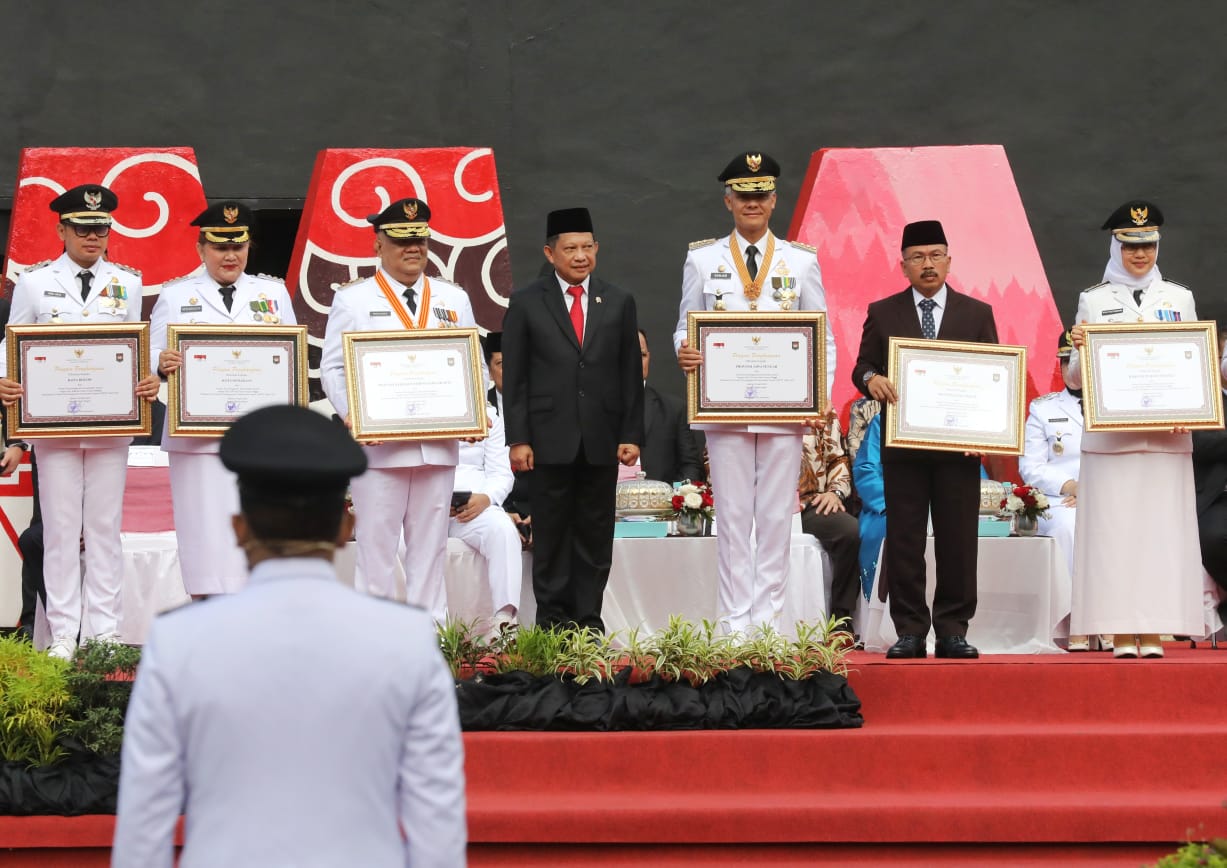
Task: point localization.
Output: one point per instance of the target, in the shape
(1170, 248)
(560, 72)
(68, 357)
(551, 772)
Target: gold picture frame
(956, 396)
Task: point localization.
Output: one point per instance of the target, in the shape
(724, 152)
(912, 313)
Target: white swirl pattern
(419, 189)
(156, 198)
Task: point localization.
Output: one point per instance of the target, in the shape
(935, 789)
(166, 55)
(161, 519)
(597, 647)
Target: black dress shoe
(955, 647)
(907, 646)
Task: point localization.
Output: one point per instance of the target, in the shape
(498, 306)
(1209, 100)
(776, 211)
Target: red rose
(677, 502)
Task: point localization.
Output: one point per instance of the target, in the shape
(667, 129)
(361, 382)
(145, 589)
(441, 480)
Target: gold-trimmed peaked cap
(1135, 222)
(1065, 345)
(226, 222)
(404, 218)
(751, 172)
(86, 205)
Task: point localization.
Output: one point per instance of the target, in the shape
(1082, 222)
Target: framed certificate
(415, 385)
(956, 396)
(766, 367)
(228, 372)
(79, 380)
(1151, 376)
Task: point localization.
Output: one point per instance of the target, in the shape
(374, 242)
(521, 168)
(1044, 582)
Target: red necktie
(577, 312)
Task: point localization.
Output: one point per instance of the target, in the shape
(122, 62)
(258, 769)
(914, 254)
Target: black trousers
(32, 588)
(573, 526)
(1212, 529)
(840, 536)
(949, 486)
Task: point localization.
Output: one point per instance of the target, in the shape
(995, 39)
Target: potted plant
(1027, 504)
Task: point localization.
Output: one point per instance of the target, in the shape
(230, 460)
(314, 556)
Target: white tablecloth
(651, 579)
(1024, 594)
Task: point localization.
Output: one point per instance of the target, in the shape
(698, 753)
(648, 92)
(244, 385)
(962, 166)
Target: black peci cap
(86, 205)
(1135, 222)
(923, 232)
(568, 220)
(404, 218)
(492, 343)
(289, 450)
(226, 223)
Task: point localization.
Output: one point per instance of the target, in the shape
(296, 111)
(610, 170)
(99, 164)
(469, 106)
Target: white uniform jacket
(485, 466)
(362, 307)
(709, 276)
(296, 722)
(1163, 301)
(50, 293)
(196, 299)
(1053, 443)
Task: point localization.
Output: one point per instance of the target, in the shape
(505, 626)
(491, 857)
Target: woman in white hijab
(1137, 560)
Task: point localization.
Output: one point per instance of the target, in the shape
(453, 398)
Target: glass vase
(690, 523)
(1026, 525)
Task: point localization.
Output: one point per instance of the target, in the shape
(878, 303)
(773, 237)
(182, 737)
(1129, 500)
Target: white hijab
(1117, 273)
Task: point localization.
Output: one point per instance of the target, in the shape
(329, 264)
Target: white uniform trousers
(415, 500)
(81, 492)
(1060, 526)
(205, 495)
(754, 481)
(496, 539)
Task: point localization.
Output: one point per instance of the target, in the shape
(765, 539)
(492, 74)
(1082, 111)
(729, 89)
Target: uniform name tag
(191, 308)
(379, 313)
(53, 293)
(1112, 311)
(1062, 419)
(721, 275)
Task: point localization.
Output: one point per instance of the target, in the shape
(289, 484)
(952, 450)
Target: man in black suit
(574, 401)
(1210, 481)
(918, 481)
(670, 451)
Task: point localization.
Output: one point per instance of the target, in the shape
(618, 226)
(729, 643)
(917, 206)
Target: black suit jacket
(670, 451)
(964, 319)
(559, 396)
(1209, 466)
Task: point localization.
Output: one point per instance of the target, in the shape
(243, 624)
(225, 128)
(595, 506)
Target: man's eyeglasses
(87, 231)
(919, 258)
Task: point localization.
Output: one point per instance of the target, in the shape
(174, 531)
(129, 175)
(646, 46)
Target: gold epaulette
(179, 279)
(272, 277)
(1096, 286)
(803, 246)
(706, 242)
(1047, 397)
(36, 266)
(337, 287)
(127, 268)
(1174, 282)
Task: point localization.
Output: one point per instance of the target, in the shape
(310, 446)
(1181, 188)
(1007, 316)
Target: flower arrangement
(694, 499)
(1025, 500)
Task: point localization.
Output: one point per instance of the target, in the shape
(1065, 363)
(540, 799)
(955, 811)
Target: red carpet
(1071, 760)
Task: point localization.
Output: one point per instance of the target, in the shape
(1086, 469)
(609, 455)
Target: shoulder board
(1096, 286)
(339, 286)
(127, 268)
(271, 277)
(801, 246)
(179, 279)
(1047, 397)
(706, 242)
(36, 266)
(1174, 283)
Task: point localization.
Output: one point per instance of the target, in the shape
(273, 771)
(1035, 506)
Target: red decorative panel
(335, 244)
(159, 194)
(853, 206)
(16, 505)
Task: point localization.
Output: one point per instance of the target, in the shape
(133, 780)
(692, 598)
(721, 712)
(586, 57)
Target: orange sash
(398, 302)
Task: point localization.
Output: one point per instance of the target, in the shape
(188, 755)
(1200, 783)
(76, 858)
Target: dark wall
(633, 108)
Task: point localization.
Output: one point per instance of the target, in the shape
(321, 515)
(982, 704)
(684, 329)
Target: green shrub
(34, 700)
(100, 686)
(1197, 854)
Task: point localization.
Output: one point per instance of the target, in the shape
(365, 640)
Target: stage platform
(1036, 760)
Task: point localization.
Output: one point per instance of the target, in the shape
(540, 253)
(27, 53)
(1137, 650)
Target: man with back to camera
(409, 485)
(753, 467)
(574, 400)
(295, 722)
(918, 481)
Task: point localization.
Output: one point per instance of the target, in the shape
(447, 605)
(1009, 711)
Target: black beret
(751, 172)
(226, 222)
(923, 232)
(404, 218)
(86, 205)
(1135, 222)
(568, 220)
(291, 450)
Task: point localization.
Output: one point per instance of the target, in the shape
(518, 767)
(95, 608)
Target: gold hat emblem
(93, 199)
(753, 161)
(411, 210)
(1139, 215)
(230, 214)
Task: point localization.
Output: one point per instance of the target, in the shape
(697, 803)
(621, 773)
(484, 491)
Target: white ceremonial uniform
(753, 467)
(203, 492)
(80, 479)
(1137, 558)
(485, 468)
(294, 723)
(408, 486)
(1051, 455)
